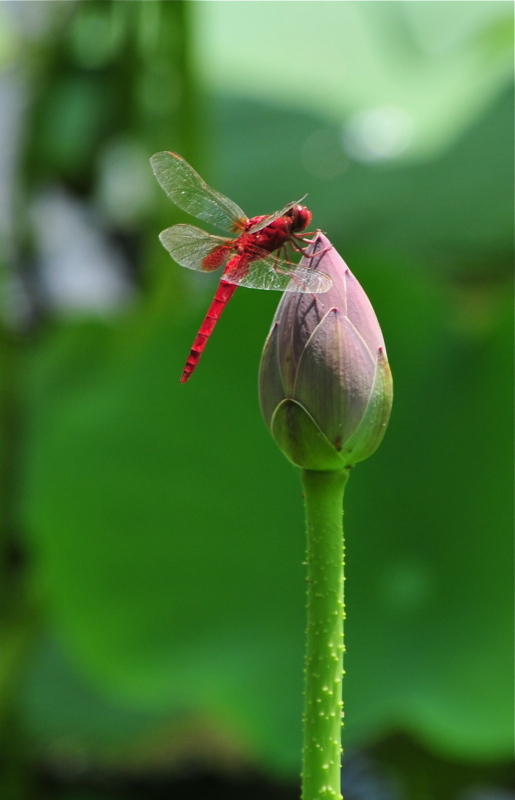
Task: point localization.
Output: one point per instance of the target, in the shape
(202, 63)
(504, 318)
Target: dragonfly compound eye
(301, 217)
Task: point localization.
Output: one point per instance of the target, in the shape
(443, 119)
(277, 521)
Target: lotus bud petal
(325, 384)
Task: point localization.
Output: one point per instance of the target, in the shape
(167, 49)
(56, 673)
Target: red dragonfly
(246, 258)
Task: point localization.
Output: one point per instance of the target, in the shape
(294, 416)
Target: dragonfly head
(300, 217)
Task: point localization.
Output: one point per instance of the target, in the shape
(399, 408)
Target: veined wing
(189, 192)
(270, 272)
(191, 246)
(264, 222)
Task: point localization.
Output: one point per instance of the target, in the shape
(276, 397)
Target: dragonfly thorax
(274, 235)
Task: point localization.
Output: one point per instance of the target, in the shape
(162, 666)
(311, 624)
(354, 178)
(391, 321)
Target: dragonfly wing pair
(193, 248)
(273, 273)
(190, 193)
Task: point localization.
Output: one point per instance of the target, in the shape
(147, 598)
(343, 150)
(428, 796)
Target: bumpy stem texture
(323, 712)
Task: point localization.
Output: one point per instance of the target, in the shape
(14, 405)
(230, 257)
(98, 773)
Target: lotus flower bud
(325, 383)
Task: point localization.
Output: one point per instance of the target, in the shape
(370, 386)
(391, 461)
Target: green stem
(323, 711)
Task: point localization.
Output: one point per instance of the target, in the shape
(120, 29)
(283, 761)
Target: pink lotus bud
(325, 383)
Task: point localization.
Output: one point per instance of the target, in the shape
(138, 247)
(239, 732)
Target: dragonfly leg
(306, 234)
(302, 250)
(283, 253)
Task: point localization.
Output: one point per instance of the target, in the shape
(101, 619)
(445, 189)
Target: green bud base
(301, 439)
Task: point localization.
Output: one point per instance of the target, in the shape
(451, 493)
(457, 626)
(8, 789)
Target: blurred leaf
(451, 212)
(72, 723)
(74, 112)
(436, 583)
(171, 545)
(132, 575)
(9, 40)
(166, 530)
(435, 63)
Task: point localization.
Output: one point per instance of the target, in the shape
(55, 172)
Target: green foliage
(140, 499)
(163, 529)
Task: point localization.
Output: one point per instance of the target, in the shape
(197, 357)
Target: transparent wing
(274, 273)
(189, 192)
(264, 222)
(194, 248)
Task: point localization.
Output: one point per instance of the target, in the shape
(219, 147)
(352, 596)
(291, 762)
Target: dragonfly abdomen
(223, 294)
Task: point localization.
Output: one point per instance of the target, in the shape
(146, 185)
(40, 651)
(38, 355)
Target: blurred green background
(152, 535)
